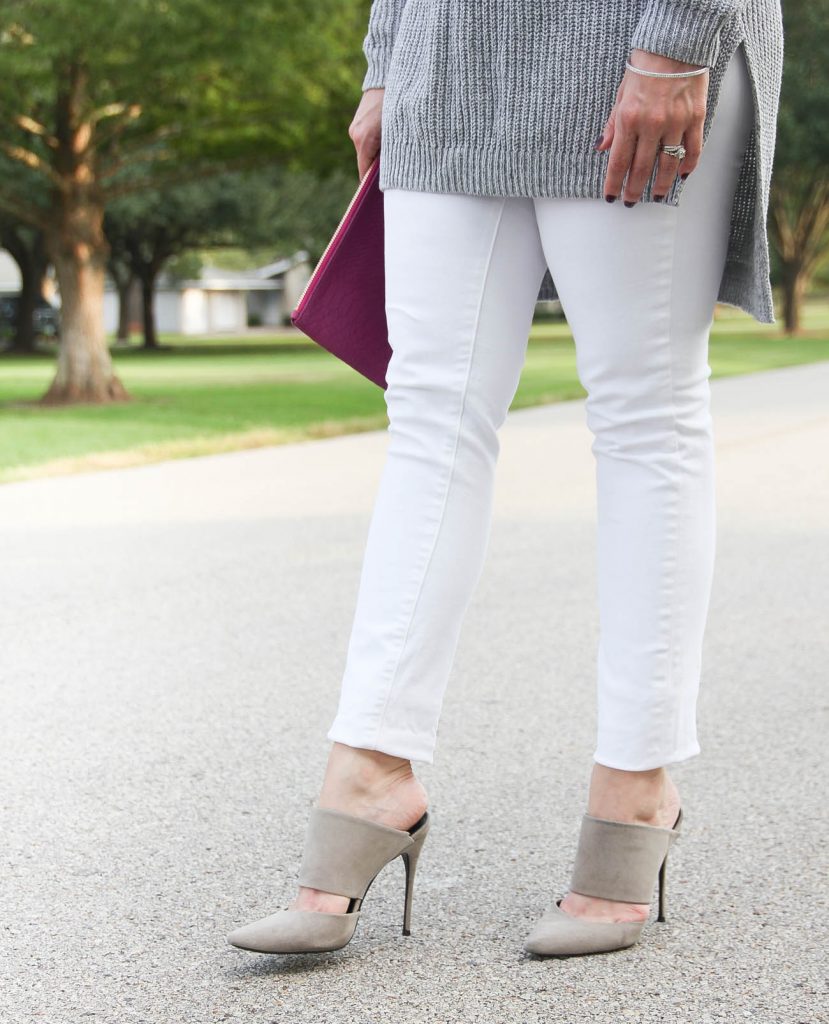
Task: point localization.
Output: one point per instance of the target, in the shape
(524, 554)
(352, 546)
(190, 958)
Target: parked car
(46, 318)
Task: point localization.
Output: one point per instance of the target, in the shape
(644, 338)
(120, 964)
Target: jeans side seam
(672, 613)
(448, 487)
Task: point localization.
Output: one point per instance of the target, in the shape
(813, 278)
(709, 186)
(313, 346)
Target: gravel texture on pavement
(173, 638)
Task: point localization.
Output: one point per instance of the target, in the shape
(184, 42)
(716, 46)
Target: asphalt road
(172, 643)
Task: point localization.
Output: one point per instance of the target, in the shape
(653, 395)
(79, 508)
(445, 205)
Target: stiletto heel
(662, 872)
(615, 860)
(343, 855)
(410, 858)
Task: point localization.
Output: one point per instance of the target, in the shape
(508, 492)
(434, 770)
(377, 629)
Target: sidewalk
(172, 641)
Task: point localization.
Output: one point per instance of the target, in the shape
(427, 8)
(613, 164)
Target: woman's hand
(364, 129)
(649, 112)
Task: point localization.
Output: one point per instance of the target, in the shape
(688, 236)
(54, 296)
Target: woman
(627, 146)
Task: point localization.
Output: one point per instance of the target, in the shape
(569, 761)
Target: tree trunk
(123, 335)
(793, 282)
(84, 371)
(24, 328)
(799, 216)
(79, 249)
(124, 286)
(147, 294)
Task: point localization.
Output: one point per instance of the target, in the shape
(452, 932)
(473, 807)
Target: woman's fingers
(641, 168)
(693, 145)
(621, 156)
(605, 139)
(665, 175)
(366, 128)
(667, 166)
(633, 155)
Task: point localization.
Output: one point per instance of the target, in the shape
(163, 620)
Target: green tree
(288, 210)
(799, 204)
(101, 99)
(147, 229)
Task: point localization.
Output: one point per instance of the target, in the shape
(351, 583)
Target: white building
(219, 301)
(9, 275)
(223, 301)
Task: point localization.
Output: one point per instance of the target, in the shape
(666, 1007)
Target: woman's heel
(663, 872)
(662, 901)
(410, 858)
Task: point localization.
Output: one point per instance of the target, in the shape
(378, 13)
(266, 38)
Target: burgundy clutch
(343, 305)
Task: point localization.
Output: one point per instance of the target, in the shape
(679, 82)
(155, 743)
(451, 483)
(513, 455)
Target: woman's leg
(462, 277)
(639, 286)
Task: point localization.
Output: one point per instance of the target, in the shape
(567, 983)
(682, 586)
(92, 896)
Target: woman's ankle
(639, 797)
(362, 770)
(372, 784)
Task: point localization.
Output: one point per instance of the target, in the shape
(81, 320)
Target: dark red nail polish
(611, 199)
(685, 175)
(628, 203)
(599, 140)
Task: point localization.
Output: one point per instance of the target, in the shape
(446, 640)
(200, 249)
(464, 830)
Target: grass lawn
(197, 397)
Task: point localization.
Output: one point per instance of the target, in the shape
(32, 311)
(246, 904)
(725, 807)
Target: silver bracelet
(666, 74)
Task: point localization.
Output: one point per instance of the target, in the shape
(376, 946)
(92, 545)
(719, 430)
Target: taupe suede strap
(344, 852)
(618, 860)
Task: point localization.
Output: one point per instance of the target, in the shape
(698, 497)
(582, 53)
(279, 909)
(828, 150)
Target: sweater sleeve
(383, 21)
(687, 30)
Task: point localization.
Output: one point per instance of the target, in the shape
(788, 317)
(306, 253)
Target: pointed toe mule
(343, 854)
(615, 860)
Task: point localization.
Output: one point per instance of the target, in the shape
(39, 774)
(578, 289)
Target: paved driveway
(172, 643)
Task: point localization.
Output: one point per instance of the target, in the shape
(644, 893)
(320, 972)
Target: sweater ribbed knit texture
(507, 97)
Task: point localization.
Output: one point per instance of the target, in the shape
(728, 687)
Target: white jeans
(638, 286)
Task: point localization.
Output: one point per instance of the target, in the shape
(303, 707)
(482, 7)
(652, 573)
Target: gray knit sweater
(506, 97)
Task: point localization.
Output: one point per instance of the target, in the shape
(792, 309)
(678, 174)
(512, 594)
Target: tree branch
(132, 111)
(28, 124)
(142, 137)
(108, 172)
(29, 159)
(20, 210)
(181, 176)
